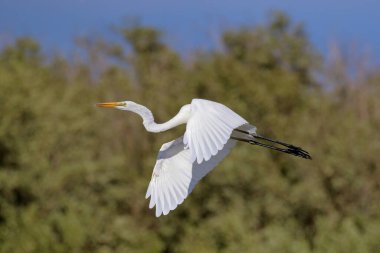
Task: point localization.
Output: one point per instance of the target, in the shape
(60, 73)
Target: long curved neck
(151, 126)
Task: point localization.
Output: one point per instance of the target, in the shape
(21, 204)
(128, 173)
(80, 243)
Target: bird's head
(123, 105)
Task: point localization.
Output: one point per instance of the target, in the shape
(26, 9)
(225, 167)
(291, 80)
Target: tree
(73, 177)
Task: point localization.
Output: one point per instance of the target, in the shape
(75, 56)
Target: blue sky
(189, 25)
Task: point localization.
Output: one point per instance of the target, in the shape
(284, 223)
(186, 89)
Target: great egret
(212, 129)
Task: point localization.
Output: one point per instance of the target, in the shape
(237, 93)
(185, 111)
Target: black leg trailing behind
(290, 149)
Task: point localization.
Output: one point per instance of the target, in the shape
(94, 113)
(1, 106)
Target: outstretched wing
(175, 174)
(209, 128)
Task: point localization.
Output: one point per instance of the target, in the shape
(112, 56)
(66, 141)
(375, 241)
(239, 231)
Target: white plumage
(184, 161)
(175, 174)
(209, 127)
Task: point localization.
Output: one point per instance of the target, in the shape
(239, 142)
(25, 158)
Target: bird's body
(212, 129)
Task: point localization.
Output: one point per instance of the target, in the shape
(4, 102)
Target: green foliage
(73, 177)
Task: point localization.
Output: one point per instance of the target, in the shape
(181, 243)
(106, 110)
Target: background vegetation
(73, 177)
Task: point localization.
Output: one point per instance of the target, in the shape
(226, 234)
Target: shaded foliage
(73, 177)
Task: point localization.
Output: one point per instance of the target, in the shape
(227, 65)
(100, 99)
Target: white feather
(209, 122)
(175, 174)
(183, 162)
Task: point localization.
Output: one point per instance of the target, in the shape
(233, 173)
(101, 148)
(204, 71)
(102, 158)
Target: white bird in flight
(212, 130)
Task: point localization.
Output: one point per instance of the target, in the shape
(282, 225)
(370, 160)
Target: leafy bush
(73, 177)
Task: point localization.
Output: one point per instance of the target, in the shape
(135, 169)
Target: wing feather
(210, 122)
(217, 133)
(158, 205)
(209, 140)
(151, 202)
(148, 191)
(176, 174)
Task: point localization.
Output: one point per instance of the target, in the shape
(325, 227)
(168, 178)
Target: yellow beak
(110, 104)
